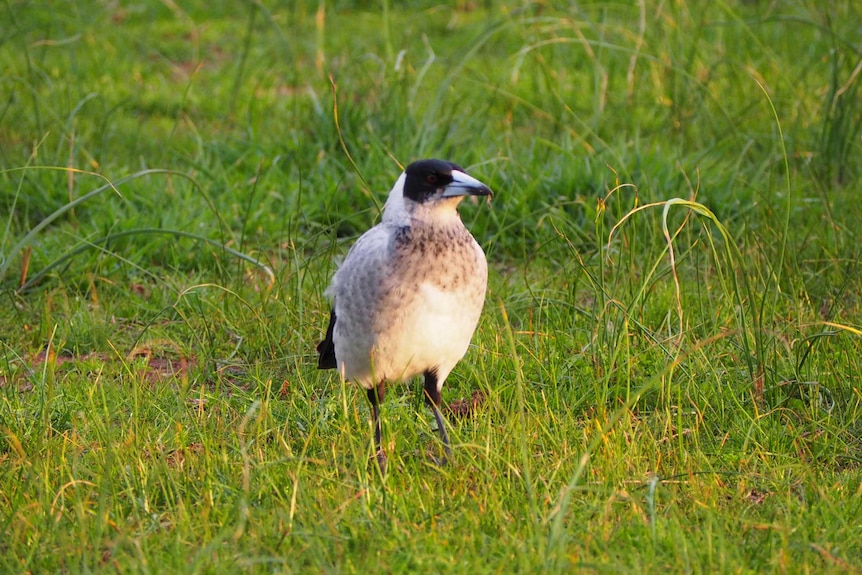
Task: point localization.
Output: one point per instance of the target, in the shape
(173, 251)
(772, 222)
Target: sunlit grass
(665, 378)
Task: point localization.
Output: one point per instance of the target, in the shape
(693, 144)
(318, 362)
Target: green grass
(668, 386)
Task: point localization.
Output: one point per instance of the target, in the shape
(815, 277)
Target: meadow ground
(666, 377)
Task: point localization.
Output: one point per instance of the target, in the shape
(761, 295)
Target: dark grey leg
(433, 400)
(375, 395)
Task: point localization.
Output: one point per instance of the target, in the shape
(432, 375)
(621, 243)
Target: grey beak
(465, 185)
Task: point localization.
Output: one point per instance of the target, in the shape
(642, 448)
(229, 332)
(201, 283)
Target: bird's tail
(326, 348)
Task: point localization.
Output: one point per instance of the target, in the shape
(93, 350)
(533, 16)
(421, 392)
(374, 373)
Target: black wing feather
(326, 348)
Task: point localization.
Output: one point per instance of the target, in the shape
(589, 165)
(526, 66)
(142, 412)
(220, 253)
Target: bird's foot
(443, 460)
(439, 461)
(380, 456)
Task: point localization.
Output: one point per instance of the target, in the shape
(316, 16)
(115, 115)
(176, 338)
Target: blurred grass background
(641, 409)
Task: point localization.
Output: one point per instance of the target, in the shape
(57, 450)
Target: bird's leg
(433, 399)
(375, 395)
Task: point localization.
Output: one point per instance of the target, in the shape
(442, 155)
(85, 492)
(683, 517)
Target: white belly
(406, 307)
(432, 332)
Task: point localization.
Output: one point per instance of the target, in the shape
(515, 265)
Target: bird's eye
(431, 179)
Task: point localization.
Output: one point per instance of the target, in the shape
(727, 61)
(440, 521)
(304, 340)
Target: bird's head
(432, 184)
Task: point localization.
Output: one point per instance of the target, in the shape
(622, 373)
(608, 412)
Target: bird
(409, 294)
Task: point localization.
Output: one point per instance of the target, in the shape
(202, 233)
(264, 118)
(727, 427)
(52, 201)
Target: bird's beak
(465, 185)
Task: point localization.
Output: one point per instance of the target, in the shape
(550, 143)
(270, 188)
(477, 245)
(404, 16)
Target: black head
(429, 179)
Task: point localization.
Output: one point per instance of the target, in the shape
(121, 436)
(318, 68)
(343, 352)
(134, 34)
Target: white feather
(401, 313)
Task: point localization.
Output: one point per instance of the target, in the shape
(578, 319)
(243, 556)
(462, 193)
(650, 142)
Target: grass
(666, 375)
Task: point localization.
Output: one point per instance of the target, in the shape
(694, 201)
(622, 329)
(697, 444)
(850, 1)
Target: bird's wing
(366, 261)
(358, 272)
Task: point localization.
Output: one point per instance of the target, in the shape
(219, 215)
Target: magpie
(407, 298)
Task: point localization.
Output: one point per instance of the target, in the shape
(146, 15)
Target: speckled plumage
(408, 296)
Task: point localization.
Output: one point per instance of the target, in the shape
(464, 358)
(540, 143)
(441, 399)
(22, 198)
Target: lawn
(666, 376)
